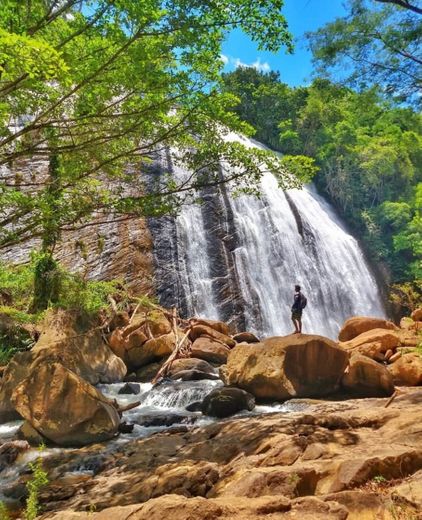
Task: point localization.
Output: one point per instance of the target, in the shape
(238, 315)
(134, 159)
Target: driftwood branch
(396, 393)
(180, 351)
(129, 406)
(134, 313)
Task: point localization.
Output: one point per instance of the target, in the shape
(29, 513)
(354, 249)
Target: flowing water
(239, 259)
(163, 406)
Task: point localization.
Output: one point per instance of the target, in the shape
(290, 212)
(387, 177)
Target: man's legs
(299, 321)
(295, 323)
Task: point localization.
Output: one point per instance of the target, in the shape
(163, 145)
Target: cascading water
(239, 259)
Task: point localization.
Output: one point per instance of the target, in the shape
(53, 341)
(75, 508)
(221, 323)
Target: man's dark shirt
(296, 304)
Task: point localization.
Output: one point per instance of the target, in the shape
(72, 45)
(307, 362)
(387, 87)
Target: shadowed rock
(284, 367)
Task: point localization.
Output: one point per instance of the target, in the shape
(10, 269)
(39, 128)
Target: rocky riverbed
(352, 459)
(213, 424)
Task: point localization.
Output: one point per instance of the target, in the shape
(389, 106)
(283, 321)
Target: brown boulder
(136, 339)
(284, 367)
(151, 350)
(218, 326)
(209, 350)
(410, 491)
(74, 340)
(147, 373)
(16, 371)
(407, 370)
(245, 337)
(154, 323)
(367, 378)
(64, 408)
(204, 330)
(223, 402)
(10, 451)
(121, 344)
(417, 314)
(359, 324)
(379, 339)
(31, 435)
(391, 464)
(157, 323)
(181, 365)
(120, 319)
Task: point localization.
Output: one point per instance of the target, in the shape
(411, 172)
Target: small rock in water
(165, 420)
(223, 402)
(10, 451)
(194, 375)
(130, 388)
(125, 427)
(194, 407)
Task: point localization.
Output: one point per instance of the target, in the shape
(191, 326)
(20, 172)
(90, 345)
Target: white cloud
(224, 59)
(262, 67)
(237, 62)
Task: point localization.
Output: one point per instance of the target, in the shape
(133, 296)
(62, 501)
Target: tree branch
(402, 3)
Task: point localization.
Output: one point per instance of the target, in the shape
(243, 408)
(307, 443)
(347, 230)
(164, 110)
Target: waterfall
(239, 259)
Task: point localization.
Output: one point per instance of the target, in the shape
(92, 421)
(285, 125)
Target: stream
(161, 408)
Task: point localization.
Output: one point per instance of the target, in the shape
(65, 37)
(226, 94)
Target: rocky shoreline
(341, 457)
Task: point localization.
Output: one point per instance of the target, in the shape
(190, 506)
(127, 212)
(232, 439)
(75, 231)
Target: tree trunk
(46, 273)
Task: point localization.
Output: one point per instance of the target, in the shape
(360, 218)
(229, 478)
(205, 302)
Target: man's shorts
(296, 315)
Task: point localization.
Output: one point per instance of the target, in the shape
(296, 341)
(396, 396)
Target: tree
(97, 88)
(378, 44)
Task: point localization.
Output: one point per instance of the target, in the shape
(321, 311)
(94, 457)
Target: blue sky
(295, 69)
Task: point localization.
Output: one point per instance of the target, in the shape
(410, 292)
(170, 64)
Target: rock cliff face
(175, 282)
(101, 250)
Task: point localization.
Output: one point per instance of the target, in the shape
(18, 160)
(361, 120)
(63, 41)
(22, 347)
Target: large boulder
(77, 347)
(152, 350)
(200, 330)
(16, 371)
(359, 324)
(382, 339)
(184, 364)
(147, 373)
(64, 408)
(219, 326)
(152, 324)
(75, 341)
(417, 314)
(367, 378)
(284, 367)
(126, 341)
(210, 350)
(194, 375)
(407, 370)
(223, 402)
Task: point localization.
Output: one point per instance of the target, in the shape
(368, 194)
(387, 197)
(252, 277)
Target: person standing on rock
(299, 303)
